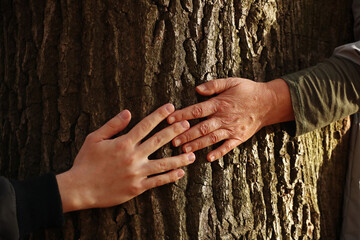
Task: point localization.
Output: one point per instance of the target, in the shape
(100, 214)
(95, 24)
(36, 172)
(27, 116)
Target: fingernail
(177, 142)
(170, 108)
(212, 158)
(124, 115)
(187, 149)
(201, 88)
(191, 157)
(185, 124)
(171, 120)
(180, 174)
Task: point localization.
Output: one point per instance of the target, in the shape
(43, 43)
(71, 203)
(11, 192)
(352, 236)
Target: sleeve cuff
(8, 220)
(38, 203)
(298, 126)
(324, 93)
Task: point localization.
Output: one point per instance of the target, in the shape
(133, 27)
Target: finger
(166, 164)
(144, 127)
(163, 179)
(210, 139)
(199, 110)
(223, 149)
(215, 86)
(163, 137)
(113, 126)
(201, 129)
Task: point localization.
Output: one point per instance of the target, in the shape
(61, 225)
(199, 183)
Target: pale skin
(241, 108)
(108, 172)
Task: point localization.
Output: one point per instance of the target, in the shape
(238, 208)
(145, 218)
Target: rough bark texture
(68, 66)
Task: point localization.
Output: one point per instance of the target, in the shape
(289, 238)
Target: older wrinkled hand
(237, 113)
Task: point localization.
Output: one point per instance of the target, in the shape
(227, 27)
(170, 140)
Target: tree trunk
(68, 66)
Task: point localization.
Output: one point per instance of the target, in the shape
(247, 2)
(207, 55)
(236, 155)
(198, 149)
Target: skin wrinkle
(234, 100)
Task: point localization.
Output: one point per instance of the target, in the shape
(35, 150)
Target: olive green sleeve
(324, 93)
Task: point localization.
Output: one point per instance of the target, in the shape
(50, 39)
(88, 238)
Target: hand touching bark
(241, 109)
(108, 172)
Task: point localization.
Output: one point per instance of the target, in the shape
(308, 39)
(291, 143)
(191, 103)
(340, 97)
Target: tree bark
(68, 66)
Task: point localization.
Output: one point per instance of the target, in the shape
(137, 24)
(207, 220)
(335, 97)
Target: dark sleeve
(324, 93)
(356, 14)
(38, 203)
(8, 221)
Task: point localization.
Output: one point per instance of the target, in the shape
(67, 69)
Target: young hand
(107, 172)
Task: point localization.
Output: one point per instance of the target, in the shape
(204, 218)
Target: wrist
(279, 102)
(71, 197)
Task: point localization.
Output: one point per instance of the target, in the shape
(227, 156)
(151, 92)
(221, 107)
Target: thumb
(215, 86)
(113, 126)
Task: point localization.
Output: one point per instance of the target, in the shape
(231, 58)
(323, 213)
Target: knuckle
(163, 113)
(224, 104)
(136, 189)
(145, 125)
(173, 177)
(121, 145)
(225, 149)
(204, 129)
(227, 121)
(90, 137)
(212, 84)
(251, 119)
(241, 137)
(214, 138)
(229, 82)
(184, 161)
(231, 131)
(159, 182)
(196, 111)
(128, 161)
(213, 105)
(162, 166)
(157, 140)
(177, 128)
(184, 137)
(228, 147)
(131, 174)
(220, 153)
(197, 145)
(111, 124)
